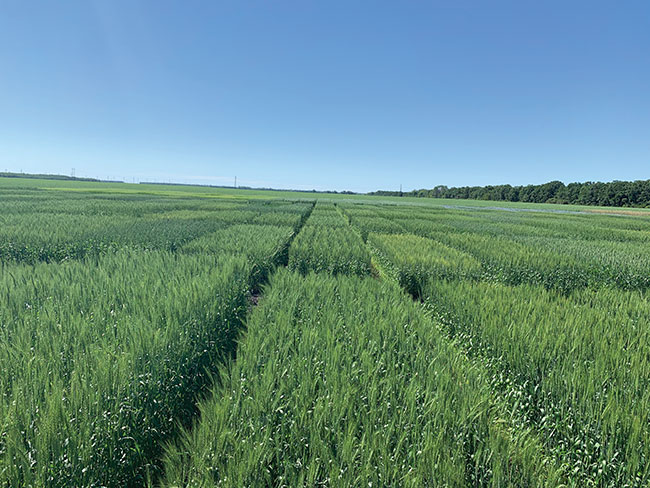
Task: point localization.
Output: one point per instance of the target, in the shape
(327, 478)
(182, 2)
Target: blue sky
(327, 95)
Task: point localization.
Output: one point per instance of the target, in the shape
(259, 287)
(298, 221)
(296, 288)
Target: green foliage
(327, 243)
(329, 249)
(563, 252)
(49, 228)
(527, 364)
(101, 360)
(51, 238)
(613, 194)
(375, 224)
(582, 363)
(343, 381)
(417, 260)
(264, 245)
(105, 349)
(572, 366)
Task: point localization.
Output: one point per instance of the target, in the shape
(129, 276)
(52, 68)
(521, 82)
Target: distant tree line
(613, 194)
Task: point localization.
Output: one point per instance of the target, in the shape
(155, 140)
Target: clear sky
(328, 94)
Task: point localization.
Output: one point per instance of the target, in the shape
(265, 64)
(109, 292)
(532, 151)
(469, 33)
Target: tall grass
(117, 310)
(564, 252)
(584, 363)
(100, 361)
(105, 350)
(576, 367)
(55, 238)
(333, 250)
(343, 381)
(265, 246)
(327, 243)
(54, 229)
(415, 260)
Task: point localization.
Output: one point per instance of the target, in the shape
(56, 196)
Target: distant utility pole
(235, 182)
(400, 188)
(73, 172)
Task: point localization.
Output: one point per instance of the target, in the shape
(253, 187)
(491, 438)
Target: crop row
(575, 367)
(103, 359)
(328, 243)
(34, 237)
(263, 245)
(562, 264)
(415, 261)
(344, 381)
(498, 222)
(546, 254)
(25, 202)
(582, 363)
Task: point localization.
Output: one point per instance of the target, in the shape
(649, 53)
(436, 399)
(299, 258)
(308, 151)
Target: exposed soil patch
(254, 299)
(635, 213)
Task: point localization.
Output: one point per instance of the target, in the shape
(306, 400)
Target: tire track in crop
(375, 269)
(282, 261)
(255, 295)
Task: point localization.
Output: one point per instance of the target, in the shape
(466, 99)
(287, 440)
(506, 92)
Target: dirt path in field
(625, 212)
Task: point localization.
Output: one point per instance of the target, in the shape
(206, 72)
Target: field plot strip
(578, 367)
(52, 228)
(565, 253)
(91, 388)
(574, 367)
(327, 243)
